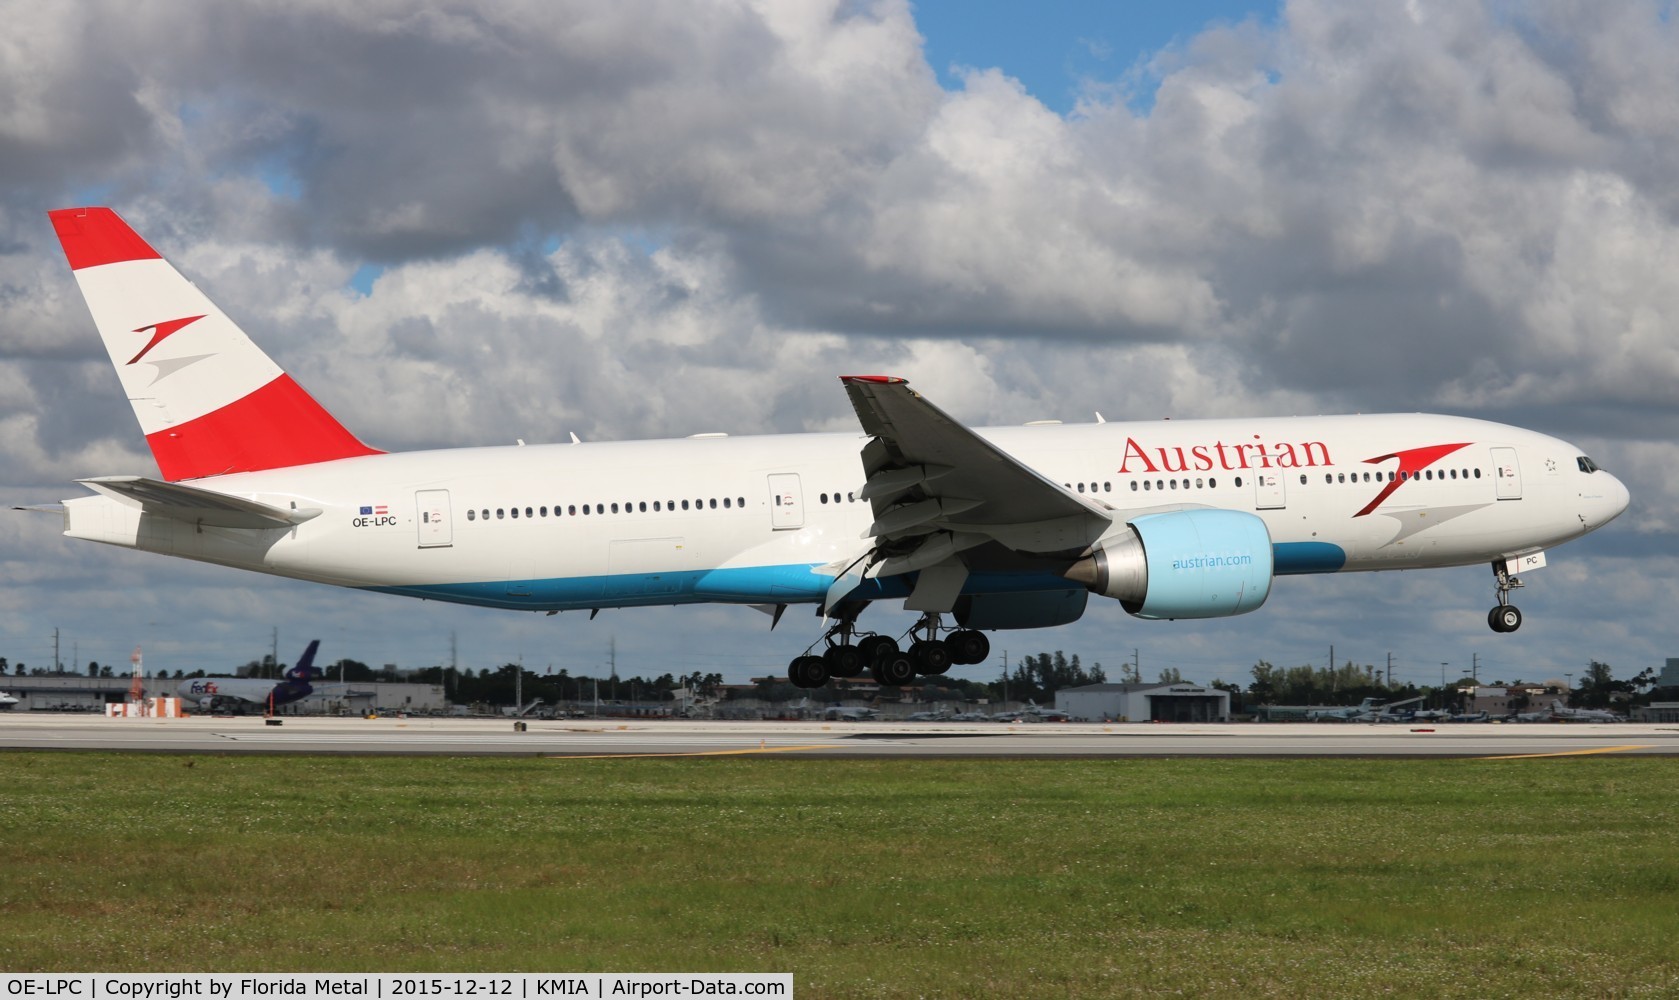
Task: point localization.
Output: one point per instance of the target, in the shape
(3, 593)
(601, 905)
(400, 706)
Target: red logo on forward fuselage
(1411, 462)
(159, 331)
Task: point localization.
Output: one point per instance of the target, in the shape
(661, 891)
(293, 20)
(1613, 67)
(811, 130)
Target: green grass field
(952, 878)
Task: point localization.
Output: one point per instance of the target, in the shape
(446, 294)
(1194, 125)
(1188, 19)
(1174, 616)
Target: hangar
(1160, 702)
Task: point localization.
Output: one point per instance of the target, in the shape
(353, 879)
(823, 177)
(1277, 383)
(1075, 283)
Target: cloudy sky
(465, 223)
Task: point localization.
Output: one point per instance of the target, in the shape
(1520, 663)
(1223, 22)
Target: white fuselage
(773, 519)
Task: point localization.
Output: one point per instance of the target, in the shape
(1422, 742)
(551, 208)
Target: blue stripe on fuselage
(1296, 558)
(742, 585)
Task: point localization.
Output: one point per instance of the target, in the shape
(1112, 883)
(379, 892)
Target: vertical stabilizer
(209, 401)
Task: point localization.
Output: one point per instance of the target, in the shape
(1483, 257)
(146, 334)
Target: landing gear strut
(1506, 617)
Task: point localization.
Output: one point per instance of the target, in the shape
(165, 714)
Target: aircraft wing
(938, 489)
(194, 505)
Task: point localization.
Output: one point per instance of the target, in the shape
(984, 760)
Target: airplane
(989, 529)
(7, 702)
(1470, 717)
(974, 716)
(1389, 712)
(1363, 708)
(233, 693)
(837, 713)
(1043, 714)
(936, 715)
(1562, 713)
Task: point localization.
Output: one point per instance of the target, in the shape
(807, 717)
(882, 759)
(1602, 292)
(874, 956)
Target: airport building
(1144, 703)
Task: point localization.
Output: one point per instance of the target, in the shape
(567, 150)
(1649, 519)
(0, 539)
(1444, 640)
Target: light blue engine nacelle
(1183, 564)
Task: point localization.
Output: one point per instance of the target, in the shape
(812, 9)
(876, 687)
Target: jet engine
(1182, 564)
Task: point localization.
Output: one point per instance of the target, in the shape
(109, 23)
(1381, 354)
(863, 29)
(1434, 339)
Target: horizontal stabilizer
(194, 505)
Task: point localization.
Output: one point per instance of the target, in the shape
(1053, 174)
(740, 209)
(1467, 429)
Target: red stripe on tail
(95, 236)
(277, 426)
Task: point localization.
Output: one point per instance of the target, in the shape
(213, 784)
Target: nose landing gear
(1506, 617)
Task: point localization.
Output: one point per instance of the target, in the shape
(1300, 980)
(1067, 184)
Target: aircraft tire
(968, 646)
(893, 668)
(1505, 618)
(844, 660)
(870, 645)
(807, 672)
(931, 657)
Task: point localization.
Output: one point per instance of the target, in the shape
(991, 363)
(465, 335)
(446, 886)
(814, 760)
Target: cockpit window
(1586, 464)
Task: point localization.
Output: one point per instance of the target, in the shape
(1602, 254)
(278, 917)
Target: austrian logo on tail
(160, 331)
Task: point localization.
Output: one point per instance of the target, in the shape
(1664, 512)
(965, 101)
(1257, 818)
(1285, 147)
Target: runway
(675, 738)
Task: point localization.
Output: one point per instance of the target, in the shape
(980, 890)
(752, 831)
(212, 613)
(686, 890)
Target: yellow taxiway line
(1569, 753)
(692, 753)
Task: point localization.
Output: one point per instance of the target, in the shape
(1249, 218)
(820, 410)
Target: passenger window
(1302, 479)
(1145, 484)
(1133, 486)
(726, 503)
(471, 515)
(713, 503)
(684, 505)
(501, 512)
(1238, 480)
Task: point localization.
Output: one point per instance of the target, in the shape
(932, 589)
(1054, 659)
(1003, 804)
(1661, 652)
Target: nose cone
(1606, 497)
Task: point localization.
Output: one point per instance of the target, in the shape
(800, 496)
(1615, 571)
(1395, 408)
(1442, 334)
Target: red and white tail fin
(209, 401)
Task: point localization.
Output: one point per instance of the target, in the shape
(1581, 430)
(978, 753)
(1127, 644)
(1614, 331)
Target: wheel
(930, 657)
(844, 661)
(893, 668)
(1505, 618)
(807, 672)
(869, 646)
(968, 646)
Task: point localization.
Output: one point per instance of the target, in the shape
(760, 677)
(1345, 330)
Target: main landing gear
(1506, 617)
(881, 656)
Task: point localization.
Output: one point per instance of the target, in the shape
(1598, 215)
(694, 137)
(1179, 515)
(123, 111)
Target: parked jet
(1390, 712)
(1562, 713)
(1042, 714)
(7, 702)
(998, 528)
(1363, 708)
(237, 693)
(836, 713)
(935, 715)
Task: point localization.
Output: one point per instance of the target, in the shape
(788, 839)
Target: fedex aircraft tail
(209, 401)
(305, 669)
